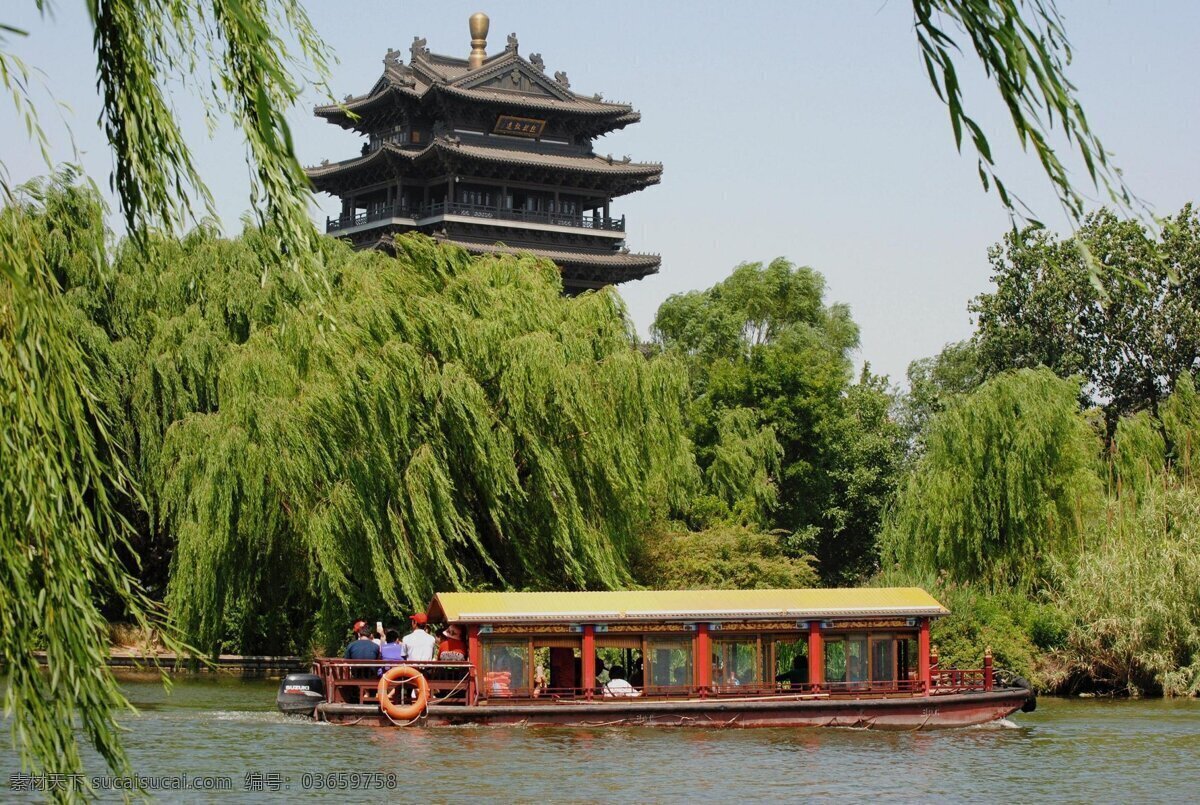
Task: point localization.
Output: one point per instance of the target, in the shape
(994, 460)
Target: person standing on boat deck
(393, 650)
(617, 686)
(362, 647)
(420, 643)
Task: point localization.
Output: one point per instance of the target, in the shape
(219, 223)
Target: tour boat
(695, 658)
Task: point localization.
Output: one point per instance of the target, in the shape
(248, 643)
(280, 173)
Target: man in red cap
(420, 643)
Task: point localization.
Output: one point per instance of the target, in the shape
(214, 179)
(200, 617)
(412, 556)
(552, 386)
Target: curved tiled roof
(607, 259)
(590, 164)
(577, 104)
(443, 74)
(587, 164)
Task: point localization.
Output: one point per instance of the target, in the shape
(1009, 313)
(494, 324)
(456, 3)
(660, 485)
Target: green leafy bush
(1134, 598)
(720, 558)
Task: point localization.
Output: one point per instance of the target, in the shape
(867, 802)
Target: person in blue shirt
(393, 650)
(363, 647)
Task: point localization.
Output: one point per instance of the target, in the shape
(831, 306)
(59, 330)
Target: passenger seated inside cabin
(798, 675)
(637, 677)
(540, 681)
(452, 648)
(601, 672)
(617, 686)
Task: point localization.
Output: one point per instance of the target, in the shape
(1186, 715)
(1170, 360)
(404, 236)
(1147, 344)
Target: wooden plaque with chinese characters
(519, 126)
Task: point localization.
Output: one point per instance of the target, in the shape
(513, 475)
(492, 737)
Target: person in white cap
(452, 648)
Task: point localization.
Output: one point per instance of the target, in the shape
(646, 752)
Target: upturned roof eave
(649, 172)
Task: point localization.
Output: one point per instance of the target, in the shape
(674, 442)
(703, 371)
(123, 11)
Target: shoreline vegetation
(310, 446)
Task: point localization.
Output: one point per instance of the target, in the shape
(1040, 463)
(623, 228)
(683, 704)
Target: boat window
(912, 658)
(735, 662)
(669, 663)
(883, 658)
(507, 670)
(835, 660)
(556, 663)
(791, 660)
(856, 659)
(622, 650)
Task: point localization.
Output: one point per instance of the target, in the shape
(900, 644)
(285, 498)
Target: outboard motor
(1030, 698)
(300, 694)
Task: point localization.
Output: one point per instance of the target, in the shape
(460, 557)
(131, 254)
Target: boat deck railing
(356, 681)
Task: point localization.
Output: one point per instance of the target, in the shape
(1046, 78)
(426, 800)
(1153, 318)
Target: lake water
(1069, 750)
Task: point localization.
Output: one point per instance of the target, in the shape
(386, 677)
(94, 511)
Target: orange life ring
(403, 712)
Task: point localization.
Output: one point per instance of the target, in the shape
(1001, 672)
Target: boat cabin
(727, 643)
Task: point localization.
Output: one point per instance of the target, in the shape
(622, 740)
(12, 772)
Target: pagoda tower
(491, 154)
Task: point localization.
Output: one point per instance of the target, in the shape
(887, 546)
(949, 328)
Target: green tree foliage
(1134, 597)
(1132, 330)
(426, 422)
(721, 558)
(764, 341)
(932, 383)
(1006, 481)
(745, 462)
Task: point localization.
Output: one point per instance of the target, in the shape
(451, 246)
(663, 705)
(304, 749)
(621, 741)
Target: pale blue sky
(805, 130)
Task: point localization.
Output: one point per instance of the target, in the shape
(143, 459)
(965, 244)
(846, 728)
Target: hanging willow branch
(59, 524)
(1023, 47)
(62, 539)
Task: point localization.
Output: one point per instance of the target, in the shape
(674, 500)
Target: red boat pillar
(703, 659)
(816, 655)
(987, 668)
(923, 658)
(475, 654)
(587, 660)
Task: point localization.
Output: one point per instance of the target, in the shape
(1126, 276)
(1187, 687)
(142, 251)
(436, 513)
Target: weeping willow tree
(430, 421)
(63, 542)
(62, 538)
(1005, 484)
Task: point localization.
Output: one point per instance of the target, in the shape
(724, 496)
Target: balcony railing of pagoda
(476, 211)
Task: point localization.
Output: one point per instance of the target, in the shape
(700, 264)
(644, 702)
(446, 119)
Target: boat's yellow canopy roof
(684, 605)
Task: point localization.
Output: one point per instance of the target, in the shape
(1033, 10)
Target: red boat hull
(898, 713)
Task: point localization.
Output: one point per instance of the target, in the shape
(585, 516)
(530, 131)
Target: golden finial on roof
(479, 32)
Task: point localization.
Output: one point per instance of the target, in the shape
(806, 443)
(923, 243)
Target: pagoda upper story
(489, 153)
